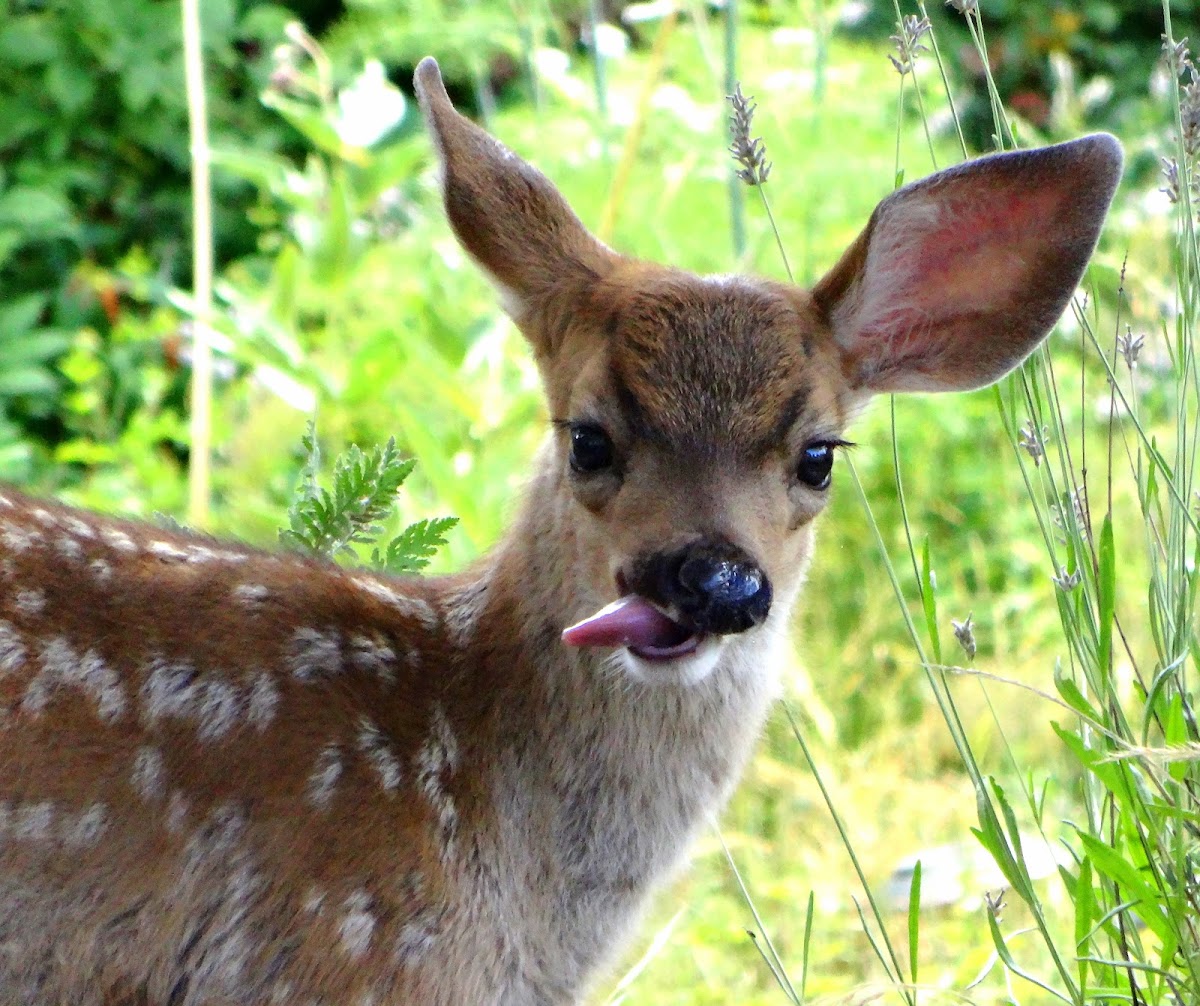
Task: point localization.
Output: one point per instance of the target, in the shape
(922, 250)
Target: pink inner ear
(938, 262)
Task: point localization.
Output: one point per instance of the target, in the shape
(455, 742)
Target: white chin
(687, 669)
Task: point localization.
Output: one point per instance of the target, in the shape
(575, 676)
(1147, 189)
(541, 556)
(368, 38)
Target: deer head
(698, 418)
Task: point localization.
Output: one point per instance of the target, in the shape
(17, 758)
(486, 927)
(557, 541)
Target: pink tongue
(629, 621)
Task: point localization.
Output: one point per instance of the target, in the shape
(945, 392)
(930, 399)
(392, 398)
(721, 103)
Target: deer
(233, 776)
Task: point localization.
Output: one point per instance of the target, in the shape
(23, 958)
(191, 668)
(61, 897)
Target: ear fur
(506, 213)
(959, 276)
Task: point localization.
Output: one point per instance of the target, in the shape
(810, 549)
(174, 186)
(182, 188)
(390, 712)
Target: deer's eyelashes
(591, 448)
(815, 467)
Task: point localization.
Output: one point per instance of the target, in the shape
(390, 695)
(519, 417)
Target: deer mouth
(640, 626)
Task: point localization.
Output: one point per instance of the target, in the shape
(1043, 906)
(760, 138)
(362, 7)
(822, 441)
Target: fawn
(237, 777)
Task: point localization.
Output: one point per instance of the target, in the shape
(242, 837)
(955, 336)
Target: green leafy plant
(93, 168)
(330, 523)
(1056, 65)
(28, 384)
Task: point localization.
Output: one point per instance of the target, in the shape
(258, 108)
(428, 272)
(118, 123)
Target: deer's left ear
(958, 277)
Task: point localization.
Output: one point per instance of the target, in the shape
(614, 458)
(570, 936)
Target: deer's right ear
(506, 213)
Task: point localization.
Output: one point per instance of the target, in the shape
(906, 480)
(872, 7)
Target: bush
(1058, 66)
(94, 163)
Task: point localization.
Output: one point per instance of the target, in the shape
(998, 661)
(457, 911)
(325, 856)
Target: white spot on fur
(118, 539)
(12, 650)
(101, 570)
(437, 759)
(87, 829)
(420, 932)
(378, 752)
(63, 667)
(30, 601)
(177, 812)
(250, 594)
(149, 775)
(358, 924)
(6, 502)
(174, 690)
(18, 537)
(224, 966)
(218, 705)
(315, 654)
(197, 554)
(314, 901)
(414, 607)
(246, 881)
(32, 822)
(263, 701)
(169, 690)
(78, 526)
(43, 517)
(372, 655)
(166, 551)
(69, 547)
(325, 775)
(462, 613)
(416, 938)
(220, 834)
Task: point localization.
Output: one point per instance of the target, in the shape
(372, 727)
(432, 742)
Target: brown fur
(234, 777)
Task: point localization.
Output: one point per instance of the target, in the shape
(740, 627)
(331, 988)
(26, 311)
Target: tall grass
(202, 267)
(1125, 706)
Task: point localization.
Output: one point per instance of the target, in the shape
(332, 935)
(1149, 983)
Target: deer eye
(591, 449)
(815, 465)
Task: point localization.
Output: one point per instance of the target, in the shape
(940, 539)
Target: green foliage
(93, 128)
(413, 547)
(1060, 67)
(330, 524)
(470, 35)
(1132, 844)
(478, 45)
(94, 164)
(351, 292)
(29, 386)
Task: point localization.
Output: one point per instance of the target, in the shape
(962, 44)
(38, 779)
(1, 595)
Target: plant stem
(737, 209)
(637, 129)
(202, 268)
(775, 230)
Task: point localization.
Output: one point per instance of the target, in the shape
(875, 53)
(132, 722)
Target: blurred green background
(342, 293)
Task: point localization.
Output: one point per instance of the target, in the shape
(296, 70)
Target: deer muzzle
(670, 601)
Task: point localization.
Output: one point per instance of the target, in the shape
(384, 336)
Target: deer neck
(598, 781)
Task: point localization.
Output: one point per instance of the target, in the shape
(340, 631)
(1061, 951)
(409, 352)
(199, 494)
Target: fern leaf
(329, 522)
(413, 547)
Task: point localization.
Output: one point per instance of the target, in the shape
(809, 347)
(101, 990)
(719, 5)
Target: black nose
(715, 586)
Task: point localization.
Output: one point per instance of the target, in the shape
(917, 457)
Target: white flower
(611, 42)
(369, 107)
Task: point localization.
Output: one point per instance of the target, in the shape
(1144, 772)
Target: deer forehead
(718, 362)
